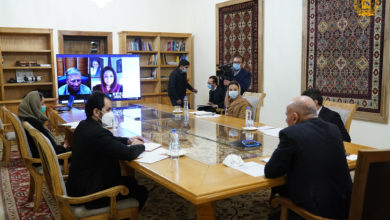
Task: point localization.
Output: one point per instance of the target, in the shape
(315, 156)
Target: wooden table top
(199, 176)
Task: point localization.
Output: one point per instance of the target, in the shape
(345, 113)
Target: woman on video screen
(95, 68)
(109, 82)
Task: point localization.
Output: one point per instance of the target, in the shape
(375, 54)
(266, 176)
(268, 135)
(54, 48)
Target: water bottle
(186, 112)
(248, 117)
(174, 147)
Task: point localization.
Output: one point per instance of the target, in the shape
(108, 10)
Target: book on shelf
(176, 46)
(153, 59)
(139, 45)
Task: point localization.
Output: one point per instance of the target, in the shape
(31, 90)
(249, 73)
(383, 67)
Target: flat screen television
(79, 75)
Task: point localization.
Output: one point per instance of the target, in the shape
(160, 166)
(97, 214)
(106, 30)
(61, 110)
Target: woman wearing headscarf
(32, 110)
(235, 104)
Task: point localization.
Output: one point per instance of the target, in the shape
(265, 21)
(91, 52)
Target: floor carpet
(162, 203)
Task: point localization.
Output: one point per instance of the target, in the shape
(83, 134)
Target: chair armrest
(111, 193)
(65, 156)
(32, 160)
(286, 203)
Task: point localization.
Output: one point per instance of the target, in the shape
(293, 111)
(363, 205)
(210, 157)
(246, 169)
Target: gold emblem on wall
(366, 7)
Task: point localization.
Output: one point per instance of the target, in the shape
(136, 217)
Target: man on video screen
(73, 84)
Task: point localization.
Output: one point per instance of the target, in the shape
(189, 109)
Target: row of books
(176, 46)
(149, 74)
(139, 45)
(153, 59)
(175, 61)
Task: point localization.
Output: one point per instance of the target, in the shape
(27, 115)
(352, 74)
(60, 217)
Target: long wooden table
(199, 177)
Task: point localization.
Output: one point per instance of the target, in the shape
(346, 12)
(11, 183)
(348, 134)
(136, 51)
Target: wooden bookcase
(153, 54)
(79, 42)
(26, 44)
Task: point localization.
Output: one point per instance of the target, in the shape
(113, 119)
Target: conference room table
(199, 176)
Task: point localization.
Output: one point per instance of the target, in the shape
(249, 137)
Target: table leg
(206, 211)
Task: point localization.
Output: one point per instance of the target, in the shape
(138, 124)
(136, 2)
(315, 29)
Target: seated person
(109, 82)
(95, 68)
(235, 104)
(32, 109)
(96, 155)
(216, 95)
(73, 84)
(311, 155)
(326, 114)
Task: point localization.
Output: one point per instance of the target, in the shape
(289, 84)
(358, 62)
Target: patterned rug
(345, 53)
(161, 205)
(238, 35)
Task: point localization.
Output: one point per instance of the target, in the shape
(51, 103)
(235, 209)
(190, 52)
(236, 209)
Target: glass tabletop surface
(204, 141)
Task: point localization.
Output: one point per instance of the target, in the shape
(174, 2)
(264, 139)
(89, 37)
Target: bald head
(300, 109)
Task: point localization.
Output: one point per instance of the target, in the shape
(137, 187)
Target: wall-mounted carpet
(345, 55)
(237, 34)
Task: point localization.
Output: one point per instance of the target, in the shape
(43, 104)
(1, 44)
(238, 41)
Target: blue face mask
(43, 109)
(184, 70)
(233, 94)
(209, 86)
(236, 66)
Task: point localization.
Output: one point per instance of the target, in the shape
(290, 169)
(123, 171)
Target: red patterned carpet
(161, 205)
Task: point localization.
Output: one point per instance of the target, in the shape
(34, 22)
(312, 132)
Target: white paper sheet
(150, 157)
(352, 157)
(265, 127)
(151, 146)
(251, 168)
(265, 159)
(272, 132)
(72, 125)
(207, 116)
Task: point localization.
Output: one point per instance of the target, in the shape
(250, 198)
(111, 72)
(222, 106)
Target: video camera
(224, 72)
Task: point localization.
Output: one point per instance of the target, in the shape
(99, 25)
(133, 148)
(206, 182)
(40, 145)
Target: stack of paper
(150, 146)
(352, 157)
(271, 131)
(251, 168)
(72, 125)
(265, 159)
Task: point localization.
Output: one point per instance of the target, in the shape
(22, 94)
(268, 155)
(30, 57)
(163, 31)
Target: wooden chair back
(345, 110)
(371, 187)
(256, 100)
(21, 138)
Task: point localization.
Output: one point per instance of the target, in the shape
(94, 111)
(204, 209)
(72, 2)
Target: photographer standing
(240, 75)
(178, 83)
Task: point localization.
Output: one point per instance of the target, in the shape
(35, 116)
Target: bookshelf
(159, 55)
(79, 42)
(23, 51)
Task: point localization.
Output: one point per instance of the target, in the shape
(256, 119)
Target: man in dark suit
(327, 114)
(178, 83)
(96, 154)
(311, 155)
(216, 95)
(240, 75)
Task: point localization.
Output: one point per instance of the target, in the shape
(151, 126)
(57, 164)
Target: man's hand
(136, 140)
(66, 144)
(195, 91)
(214, 106)
(226, 82)
(178, 101)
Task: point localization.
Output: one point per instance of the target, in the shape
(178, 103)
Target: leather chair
(370, 193)
(127, 208)
(345, 110)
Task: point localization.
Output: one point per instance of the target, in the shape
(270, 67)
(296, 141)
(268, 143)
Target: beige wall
(282, 42)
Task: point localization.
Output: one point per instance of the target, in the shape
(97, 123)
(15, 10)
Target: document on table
(72, 125)
(265, 127)
(265, 159)
(272, 132)
(251, 168)
(150, 157)
(207, 116)
(151, 146)
(352, 157)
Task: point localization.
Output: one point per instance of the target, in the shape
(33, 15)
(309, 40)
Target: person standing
(240, 75)
(178, 83)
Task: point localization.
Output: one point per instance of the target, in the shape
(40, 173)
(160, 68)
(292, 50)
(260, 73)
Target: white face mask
(107, 118)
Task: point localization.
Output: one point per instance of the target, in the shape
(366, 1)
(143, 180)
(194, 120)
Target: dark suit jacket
(95, 159)
(217, 96)
(178, 84)
(333, 117)
(244, 79)
(312, 156)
